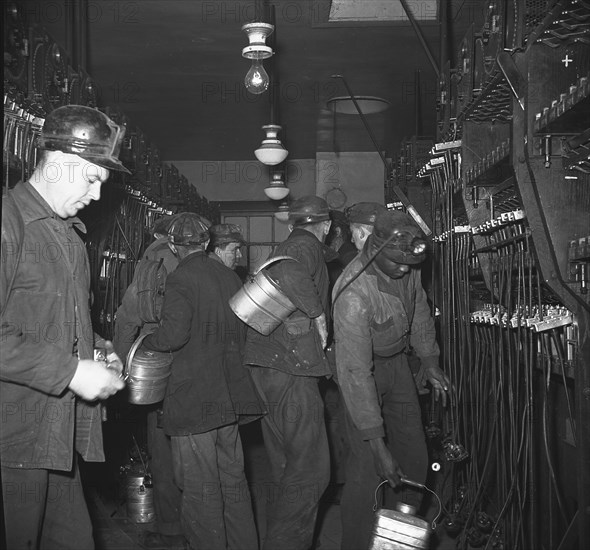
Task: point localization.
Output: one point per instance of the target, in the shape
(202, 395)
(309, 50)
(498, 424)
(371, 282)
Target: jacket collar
(215, 257)
(194, 256)
(33, 207)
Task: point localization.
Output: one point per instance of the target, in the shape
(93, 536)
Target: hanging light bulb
(256, 80)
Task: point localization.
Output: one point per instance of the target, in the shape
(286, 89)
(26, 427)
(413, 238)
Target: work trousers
(295, 439)
(216, 508)
(166, 493)
(405, 440)
(45, 510)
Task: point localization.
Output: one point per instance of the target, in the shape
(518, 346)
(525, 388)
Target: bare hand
(320, 324)
(440, 382)
(113, 360)
(385, 465)
(93, 380)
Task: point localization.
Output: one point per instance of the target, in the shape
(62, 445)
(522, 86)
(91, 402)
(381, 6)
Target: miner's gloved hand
(385, 465)
(320, 324)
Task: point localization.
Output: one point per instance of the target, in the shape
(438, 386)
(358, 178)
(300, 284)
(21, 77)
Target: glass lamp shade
(271, 151)
(367, 104)
(277, 190)
(282, 213)
(257, 34)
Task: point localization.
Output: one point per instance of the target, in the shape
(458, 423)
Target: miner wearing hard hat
(380, 313)
(51, 387)
(226, 243)
(361, 219)
(139, 312)
(286, 366)
(208, 391)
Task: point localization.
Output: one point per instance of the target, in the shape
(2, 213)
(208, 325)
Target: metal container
(399, 529)
(140, 498)
(147, 374)
(260, 303)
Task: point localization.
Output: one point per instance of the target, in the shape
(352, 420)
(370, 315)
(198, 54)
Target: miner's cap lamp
(401, 239)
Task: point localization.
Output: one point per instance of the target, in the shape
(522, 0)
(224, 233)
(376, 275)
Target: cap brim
(400, 257)
(228, 240)
(109, 164)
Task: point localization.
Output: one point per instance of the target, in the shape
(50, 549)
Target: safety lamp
(271, 151)
(277, 190)
(256, 80)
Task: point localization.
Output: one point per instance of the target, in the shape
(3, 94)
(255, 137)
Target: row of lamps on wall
(271, 152)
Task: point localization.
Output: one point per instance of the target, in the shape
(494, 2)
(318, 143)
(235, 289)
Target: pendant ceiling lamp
(277, 190)
(282, 213)
(257, 79)
(271, 151)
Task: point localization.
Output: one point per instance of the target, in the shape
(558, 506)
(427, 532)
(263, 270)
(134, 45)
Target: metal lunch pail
(260, 303)
(147, 374)
(400, 529)
(140, 497)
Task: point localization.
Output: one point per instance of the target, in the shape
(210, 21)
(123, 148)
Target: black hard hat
(188, 228)
(405, 243)
(225, 233)
(161, 225)
(364, 212)
(308, 209)
(85, 132)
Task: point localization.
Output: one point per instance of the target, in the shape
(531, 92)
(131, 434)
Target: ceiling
(175, 68)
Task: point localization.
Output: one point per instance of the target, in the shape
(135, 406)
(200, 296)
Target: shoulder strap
(10, 212)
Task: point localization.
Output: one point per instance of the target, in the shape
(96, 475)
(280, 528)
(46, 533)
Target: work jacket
(45, 322)
(294, 346)
(209, 387)
(128, 322)
(376, 318)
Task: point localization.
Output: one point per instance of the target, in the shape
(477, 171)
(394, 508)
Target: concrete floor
(115, 529)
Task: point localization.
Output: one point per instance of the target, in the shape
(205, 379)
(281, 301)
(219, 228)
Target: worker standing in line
(226, 244)
(361, 218)
(208, 390)
(132, 319)
(286, 366)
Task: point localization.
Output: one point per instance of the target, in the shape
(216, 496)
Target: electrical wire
(547, 366)
(560, 356)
